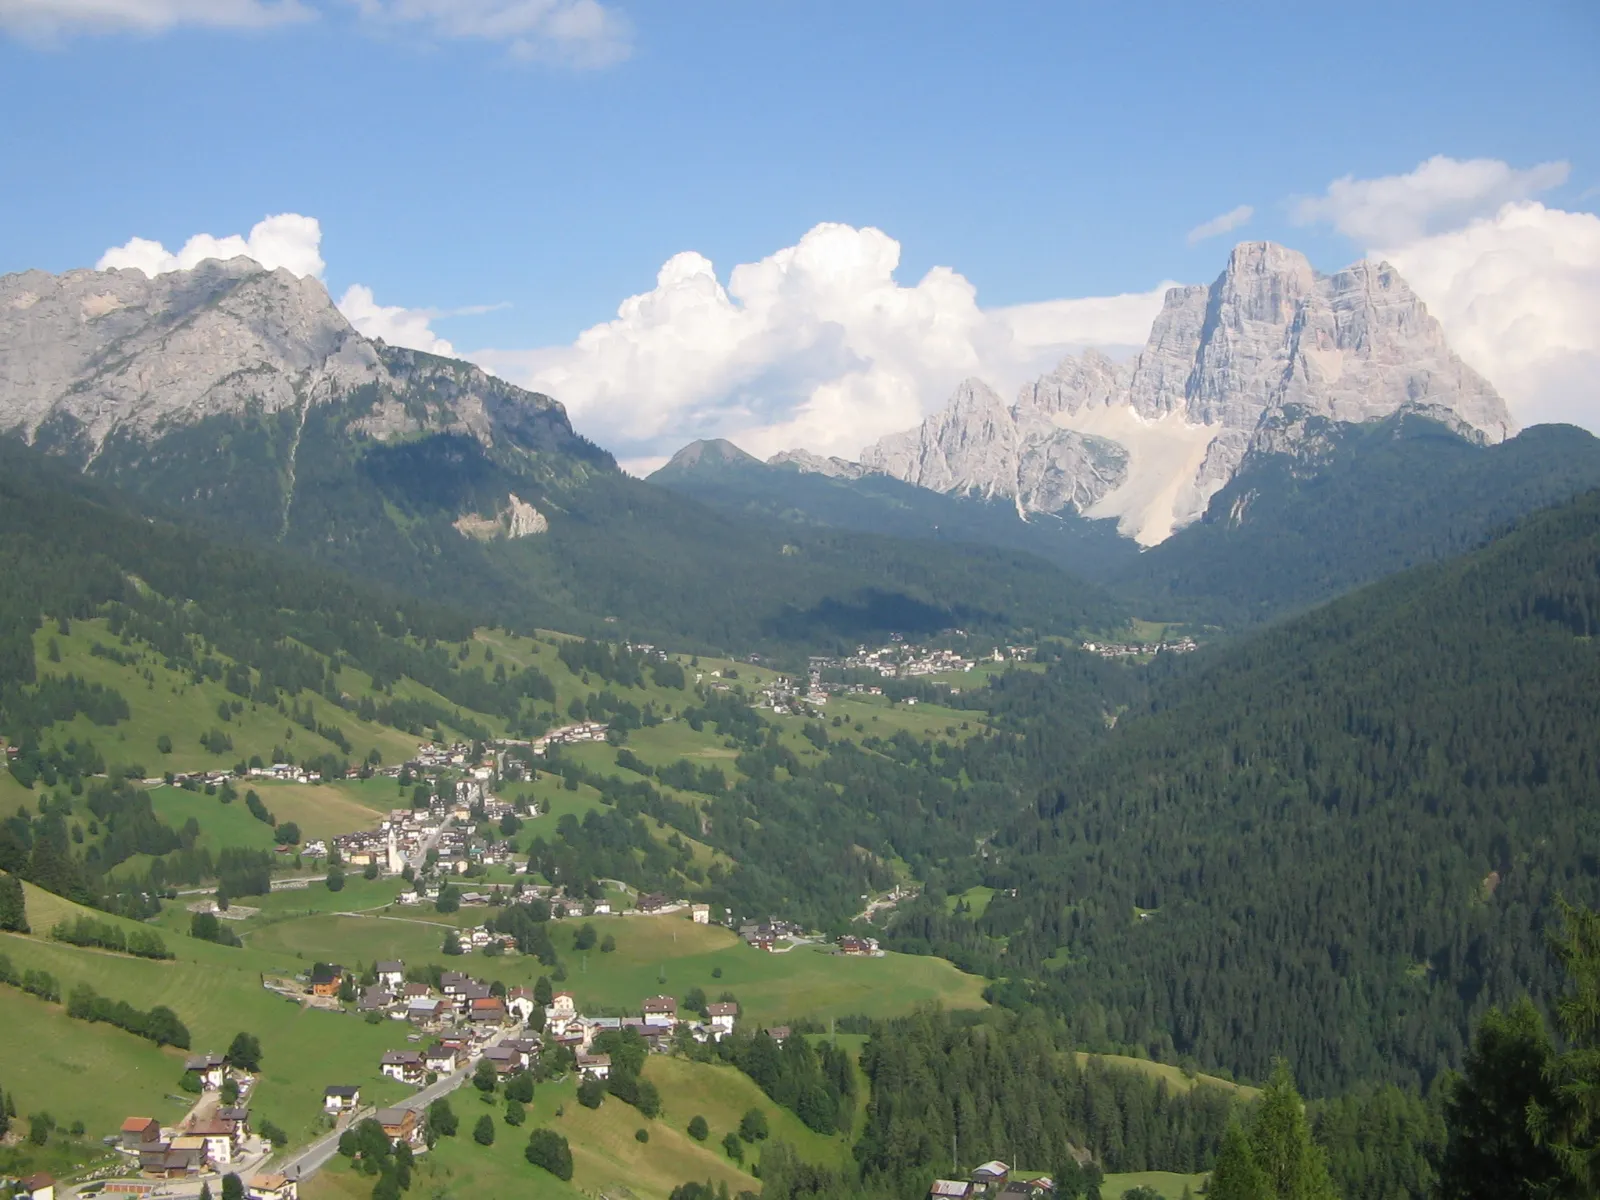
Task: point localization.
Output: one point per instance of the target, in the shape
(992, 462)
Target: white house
(519, 1001)
(701, 913)
(597, 1065)
(339, 1099)
(661, 1011)
(391, 974)
(722, 1016)
(211, 1068)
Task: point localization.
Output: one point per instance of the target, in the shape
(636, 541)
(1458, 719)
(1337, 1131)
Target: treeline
(86, 931)
(160, 1025)
(816, 1083)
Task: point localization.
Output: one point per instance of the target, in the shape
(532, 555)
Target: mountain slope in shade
(805, 490)
(1340, 505)
(1150, 442)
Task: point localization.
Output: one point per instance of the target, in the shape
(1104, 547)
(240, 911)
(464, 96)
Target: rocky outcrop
(1151, 442)
(519, 519)
(816, 464)
(91, 356)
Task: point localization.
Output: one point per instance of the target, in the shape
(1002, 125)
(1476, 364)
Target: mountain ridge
(1151, 441)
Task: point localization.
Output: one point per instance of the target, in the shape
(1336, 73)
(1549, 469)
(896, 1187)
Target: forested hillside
(1353, 504)
(1339, 840)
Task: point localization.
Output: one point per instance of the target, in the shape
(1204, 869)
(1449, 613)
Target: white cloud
(816, 345)
(579, 33)
(1231, 219)
(48, 18)
(1515, 284)
(287, 240)
(407, 327)
(1439, 195)
(1518, 293)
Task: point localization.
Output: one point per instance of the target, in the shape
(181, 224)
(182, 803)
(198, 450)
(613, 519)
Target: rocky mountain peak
(88, 357)
(1151, 441)
(709, 454)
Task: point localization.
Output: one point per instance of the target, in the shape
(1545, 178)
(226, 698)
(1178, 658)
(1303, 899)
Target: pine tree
(1570, 1124)
(1294, 1166)
(1236, 1176)
(13, 905)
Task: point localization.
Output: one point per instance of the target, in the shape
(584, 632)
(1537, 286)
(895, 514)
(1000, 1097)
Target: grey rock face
(91, 354)
(1153, 441)
(816, 464)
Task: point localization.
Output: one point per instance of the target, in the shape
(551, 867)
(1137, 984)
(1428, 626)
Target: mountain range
(1284, 436)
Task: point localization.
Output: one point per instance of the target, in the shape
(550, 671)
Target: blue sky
(1043, 151)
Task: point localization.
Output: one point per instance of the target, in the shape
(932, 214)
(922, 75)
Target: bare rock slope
(1227, 369)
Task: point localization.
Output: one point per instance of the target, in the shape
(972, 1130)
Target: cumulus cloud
(1231, 219)
(409, 327)
(1516, 284)
(579, 33)
(1518, 293)
(816, 345)
(47, 18)
(287, 240)
(1439, 195)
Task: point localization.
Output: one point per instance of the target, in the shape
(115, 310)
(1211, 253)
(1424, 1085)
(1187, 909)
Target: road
(420, 858)
(315, 1156)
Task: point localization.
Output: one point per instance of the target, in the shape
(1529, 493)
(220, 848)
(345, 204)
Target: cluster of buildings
(1183, 645)
(993, 1181)
(583, 731)
(213, 1137)
(764, 935)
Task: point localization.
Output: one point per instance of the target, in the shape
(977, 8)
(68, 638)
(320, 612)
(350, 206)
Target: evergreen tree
(1236, 1175)
(483, 1131)
(13, 905)
(1570, 1123)
(1491, 1154)
(1295, 1167)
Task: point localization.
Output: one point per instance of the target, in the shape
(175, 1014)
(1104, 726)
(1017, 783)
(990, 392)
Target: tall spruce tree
(1277, 1159)
(13, 905)
(1491, 1154)
(1570, 1124)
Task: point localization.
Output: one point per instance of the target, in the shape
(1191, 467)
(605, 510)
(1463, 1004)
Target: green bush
(698, 1129)
(548, 1149)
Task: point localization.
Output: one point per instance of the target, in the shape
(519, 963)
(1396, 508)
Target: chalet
(722, 1016)
(340, 1098)
(950, 1189)
(660, 1011)
(399, 1124)
(519, 1000)
(326, 979)
(425, 1010)
(602, 908)
(991, 1177)
(597, 1065)
(375, 999)
(161, 1161)
(140, 1133)
(700, 913)
(503, 1059)
(238, 1119)
(526, 1049)
(650, 902)
(488, 1011)
(451, 982)
(778, 1033)
(404, 1065)
(391, 974)
(413, 991)
(442, 1059)
(1025, 1189)
(849, 944)
(469, 994)
(192, 1143)
(38, 1187)
(564, 1002)
(217, 1138)
(410, 895)
(211, 1068)
(272, 1187)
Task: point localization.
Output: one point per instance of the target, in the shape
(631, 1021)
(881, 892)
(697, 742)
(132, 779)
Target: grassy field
(607, 1157)
(1175, 1078)
(1170, 1184)
(977, 899)
(806, 981)
(216, 991)
(170, 703)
